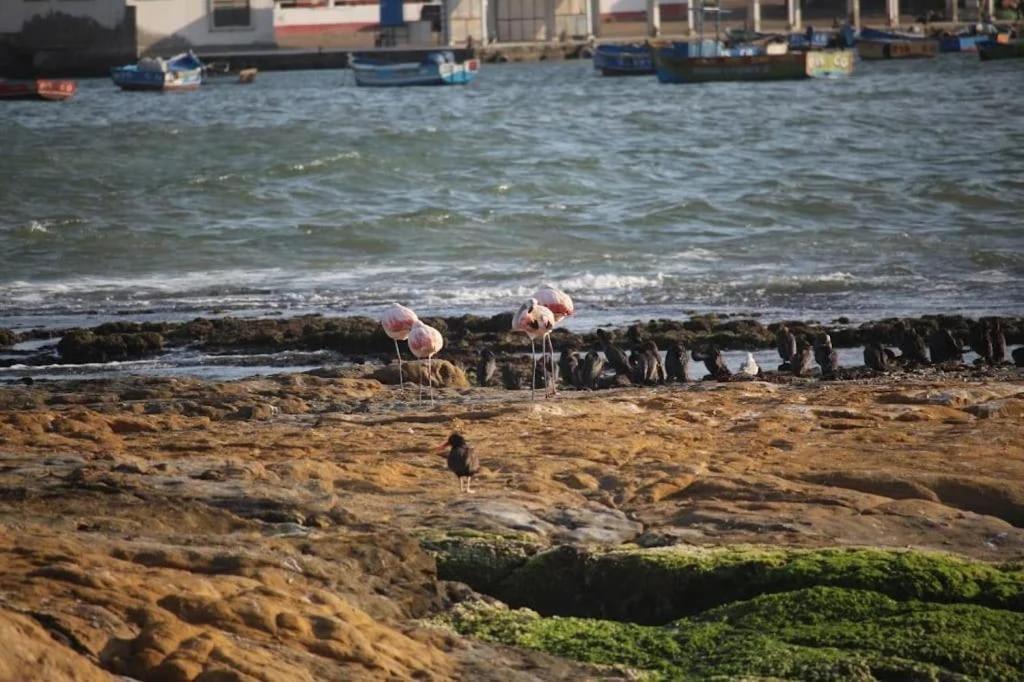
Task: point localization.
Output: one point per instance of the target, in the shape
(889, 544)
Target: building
(89, 36)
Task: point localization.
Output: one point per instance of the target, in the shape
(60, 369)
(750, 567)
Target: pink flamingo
(397, 322)
(536, 321)
(425, 342)
(561, 306)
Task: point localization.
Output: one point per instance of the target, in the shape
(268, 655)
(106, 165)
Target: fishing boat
(997, 50)
(709, 60)
(874, 44)
(962, 42)
(181, 72)
(624, 60)
(55, 90)
(438, 68)
(756, 66)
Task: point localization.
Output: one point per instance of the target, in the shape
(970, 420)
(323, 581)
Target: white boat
(438, 68)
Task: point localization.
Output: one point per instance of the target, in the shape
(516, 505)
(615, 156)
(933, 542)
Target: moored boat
(181, 72)
(749, 64)
(962, 43)
(874, 44)
(897, 49)
(438, 68)
(51, 89)
(624, 60)
(996, 50)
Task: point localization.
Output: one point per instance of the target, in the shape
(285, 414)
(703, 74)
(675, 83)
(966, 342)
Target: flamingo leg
(419, 389)
(430, 379)
(533, 374)
(554, 382)
(398, 353)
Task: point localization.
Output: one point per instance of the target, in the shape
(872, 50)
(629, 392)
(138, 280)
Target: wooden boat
(181, 72)
(438, 68)
(56, 90)
(673, 68)
(624, 60)
(874, 44)
(897, 49)
(995, 50)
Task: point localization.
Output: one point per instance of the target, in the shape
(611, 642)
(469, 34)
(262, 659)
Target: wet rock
(7, 338)
(81, 346)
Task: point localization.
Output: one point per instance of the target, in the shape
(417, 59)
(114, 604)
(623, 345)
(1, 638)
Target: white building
(105, 26)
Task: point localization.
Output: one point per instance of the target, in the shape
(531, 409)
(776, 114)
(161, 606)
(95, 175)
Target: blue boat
(438, 68)
(624, 60)
(963, 42)
(181, 72)
(810, 40)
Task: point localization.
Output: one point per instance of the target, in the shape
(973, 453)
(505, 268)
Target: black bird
(615, 356)
(569, 367)
(1018, 356)
(943, 347)
(676, 363)
(462, 461)
(568, 363)
(510, 378)
(875, 357)
(542, 379)
(826, 356)
(713, 361)
(655, 368)
(998, 339)
(640, 369)
(981, 341)
(912, 347)
(803, 359)
(591, 369)
(486, 368)
(785, 343)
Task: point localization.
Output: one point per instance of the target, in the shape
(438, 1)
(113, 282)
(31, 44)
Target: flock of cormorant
(643, 364)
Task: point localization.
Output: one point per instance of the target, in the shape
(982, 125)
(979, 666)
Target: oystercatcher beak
(442, 447)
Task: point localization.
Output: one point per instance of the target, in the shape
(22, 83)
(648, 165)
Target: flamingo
(536, 321)
(397, 322)
(425, 342)
(561, 306)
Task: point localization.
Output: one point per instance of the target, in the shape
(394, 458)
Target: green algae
(657, 586)
(816, 633)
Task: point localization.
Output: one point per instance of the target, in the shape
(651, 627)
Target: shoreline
(360, 340)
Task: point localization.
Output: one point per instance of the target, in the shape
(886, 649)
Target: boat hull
(897, 49)
(131, 78)
(54, 90)
(961, 43)
(990, 51)
(414, 74)
(624, 60)
(791, 66)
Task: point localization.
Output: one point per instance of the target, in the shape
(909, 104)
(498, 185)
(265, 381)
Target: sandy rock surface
(268, 529)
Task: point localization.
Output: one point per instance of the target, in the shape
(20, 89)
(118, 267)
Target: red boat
(38, 88)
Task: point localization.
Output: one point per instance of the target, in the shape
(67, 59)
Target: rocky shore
(361, 338)
(304, 527)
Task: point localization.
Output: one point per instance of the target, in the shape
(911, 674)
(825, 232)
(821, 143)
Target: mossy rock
(817, 633)
(655, 586)
(81, 346)
(481, 560)
(7, 338)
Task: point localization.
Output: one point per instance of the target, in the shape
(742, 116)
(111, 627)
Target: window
(230, 13)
